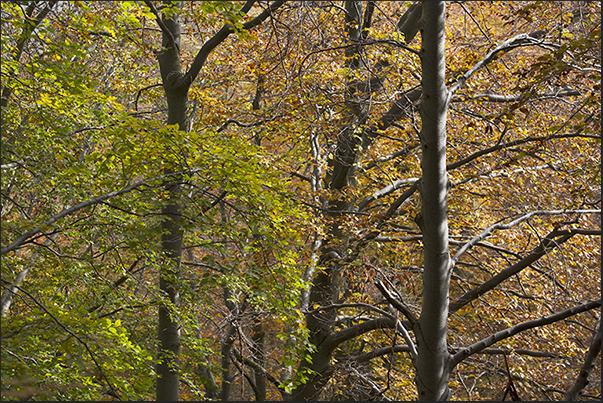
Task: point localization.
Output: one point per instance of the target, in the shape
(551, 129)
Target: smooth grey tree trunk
(176, 86)
(176, 91)
(433, 362)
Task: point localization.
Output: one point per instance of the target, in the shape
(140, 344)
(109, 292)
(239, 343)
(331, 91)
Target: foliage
(273, 115)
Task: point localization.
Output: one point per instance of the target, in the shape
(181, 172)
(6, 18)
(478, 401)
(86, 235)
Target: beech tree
(353, 200)
(176, 85)
(430, 350)
(433, 360)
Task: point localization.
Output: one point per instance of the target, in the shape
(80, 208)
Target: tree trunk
(325, 287)
(176, 91)
(257, 337)
(176, 86)
(433, 360)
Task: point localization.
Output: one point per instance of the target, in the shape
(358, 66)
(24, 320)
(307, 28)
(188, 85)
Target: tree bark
(356, 137)
(433, 360)
(176, 91)
(589, 362)
(176, 86)
(325, 288)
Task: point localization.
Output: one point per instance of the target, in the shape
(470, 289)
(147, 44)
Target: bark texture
(325, 288)
(176, 90)
(433, 359)
(353, 139)
(176, 85)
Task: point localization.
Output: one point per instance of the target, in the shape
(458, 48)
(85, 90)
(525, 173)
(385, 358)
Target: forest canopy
(300, 200)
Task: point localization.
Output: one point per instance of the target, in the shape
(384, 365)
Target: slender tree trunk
(10, 292)
(257, 336)
(433, 360)
(226, 347)
(176, 86)
(176, 90)
(326, 284)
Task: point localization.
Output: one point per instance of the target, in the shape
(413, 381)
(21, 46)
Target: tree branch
(484, 234)
(350, 305)
(509, 44)
(222, 34)
(548, 242)
(512, 331)
(251, 363)
(385, 191)
(376, 389)
(497, 147)
(78, 338)
(519, 351)
(398, 202)
(368, 19)
(68, 211)
(139, 92)
(514, 98)
(409, 22)
(399, 153)
(381, 352)
(492, 351)
(30, 25)
(395, 303)
(582, 379)
(341, 336)
(252, 124)
(164, 28)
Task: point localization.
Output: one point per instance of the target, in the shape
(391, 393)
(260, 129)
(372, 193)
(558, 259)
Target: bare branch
(409, 22)
(399, 153)
(497, 147)
(70, 210)
(484, 234)
(552, 240)
(381, 352)
(512, 331)
(514, 98)
(139, 92)
(582, 379)
(398, 202)
(252, 124)
(385, 191)
(509, 44)
(350, 305)
(373, 385)
(474, 21)
(519, 351)
(257, 367)
(222, 34)
(490, 351)
(11, 291)
(395, 303)
(341, 336)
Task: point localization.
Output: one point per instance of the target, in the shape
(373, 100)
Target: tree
(176, 86)
(164, 151)
(329, 288)
(305, 197)
(433, 359)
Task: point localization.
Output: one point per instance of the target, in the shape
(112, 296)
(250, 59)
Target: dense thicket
(313, 200)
